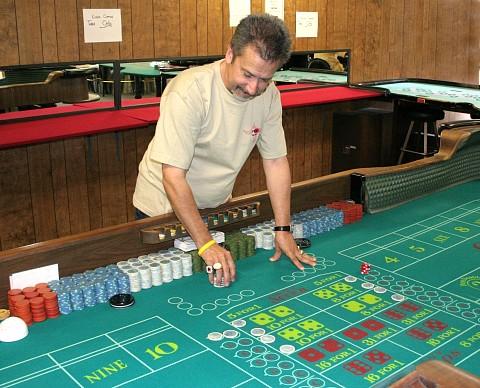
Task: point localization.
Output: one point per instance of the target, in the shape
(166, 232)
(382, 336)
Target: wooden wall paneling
(444, 50)
(257, 6)
(126, 45)
(316, 148)
(308, 144)
(320, 6)
(48, 28)
(131, 169)
(474, 43)
(357, 60)
(412, 24)
(202, 27)
(428, 51)
(327, 139)
(76, 171)
(242, 183)
(298, 166)
(188, 28)
(142, 29)
(16, 219)
(372, 39)
(9, 54)
(29, 31)
(289, 18)
(41, 191)
(85, 50)
(395, 41)
(464, 8)
(384, 40)
(59, 187)
(215, 28)
(301, 44)
(143, 137)
(227, 30)
(67, 30)
(340, 24)
(166, 21)
(92, 176)
(330, 23)
(112, 178)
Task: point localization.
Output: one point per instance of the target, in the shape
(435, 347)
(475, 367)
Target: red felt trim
(38, 131)
(324, 96)
(23, 114)
(149, 114)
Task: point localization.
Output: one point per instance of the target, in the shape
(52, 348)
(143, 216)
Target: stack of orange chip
(51, 304)
(33, 304)
(351, 211)
(22, 308)
(11, 293)
(37, 308)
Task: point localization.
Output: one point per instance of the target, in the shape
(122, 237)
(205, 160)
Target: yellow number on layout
(441, 238)
(417, 249)
(391, 259)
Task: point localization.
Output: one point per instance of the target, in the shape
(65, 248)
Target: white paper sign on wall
(102, 25)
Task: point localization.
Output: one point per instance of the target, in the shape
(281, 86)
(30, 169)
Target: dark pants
(139, 215)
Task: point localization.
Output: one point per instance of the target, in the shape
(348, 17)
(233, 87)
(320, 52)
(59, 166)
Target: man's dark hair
(267, 33)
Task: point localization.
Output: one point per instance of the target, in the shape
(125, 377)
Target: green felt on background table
(296, 76)
(344, 334)
(436, 92)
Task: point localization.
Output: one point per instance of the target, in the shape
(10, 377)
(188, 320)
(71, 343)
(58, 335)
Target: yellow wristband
(205, 246)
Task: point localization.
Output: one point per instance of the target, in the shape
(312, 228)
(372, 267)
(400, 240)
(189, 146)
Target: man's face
(247, 75)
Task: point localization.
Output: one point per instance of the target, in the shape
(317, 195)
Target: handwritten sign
(275, 8)
(306, 24)
(102, 25)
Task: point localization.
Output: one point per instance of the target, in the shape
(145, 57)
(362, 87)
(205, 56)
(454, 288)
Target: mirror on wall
(67, 88)
(37, 89)
(319, 67)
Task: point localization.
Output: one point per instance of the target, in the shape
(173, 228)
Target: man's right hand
(216, 254)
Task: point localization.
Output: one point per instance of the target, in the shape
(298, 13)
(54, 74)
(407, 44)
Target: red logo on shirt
(253, 131)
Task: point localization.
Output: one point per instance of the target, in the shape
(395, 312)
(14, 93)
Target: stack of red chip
(33, 304)
(352, 212)
(365, 268)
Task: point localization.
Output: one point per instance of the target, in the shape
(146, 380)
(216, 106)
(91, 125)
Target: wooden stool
(423, 118)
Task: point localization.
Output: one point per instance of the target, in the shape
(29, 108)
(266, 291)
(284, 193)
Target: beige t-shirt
(209, 132)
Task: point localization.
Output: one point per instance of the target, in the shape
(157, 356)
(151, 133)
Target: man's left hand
(285, 243)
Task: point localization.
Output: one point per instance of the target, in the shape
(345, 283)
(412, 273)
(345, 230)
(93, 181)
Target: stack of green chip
(240, 245)
(198, 264)
(250, 245)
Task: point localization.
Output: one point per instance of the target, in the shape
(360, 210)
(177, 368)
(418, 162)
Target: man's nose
(252, 86)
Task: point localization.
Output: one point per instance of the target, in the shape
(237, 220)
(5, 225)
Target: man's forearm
(277, 172)
(181, 198)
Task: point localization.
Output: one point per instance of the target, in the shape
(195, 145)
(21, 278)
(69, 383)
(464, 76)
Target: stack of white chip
(156, 274)
(268, 240)
(145, 276)
(135, 280)
(166, 266)
(187, 264)
(177, 270)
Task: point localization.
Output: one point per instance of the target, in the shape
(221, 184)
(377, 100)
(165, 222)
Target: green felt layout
(296, 76)
(344, 334)
(445, 93)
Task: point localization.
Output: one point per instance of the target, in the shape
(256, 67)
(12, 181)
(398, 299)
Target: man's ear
(229, 55)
